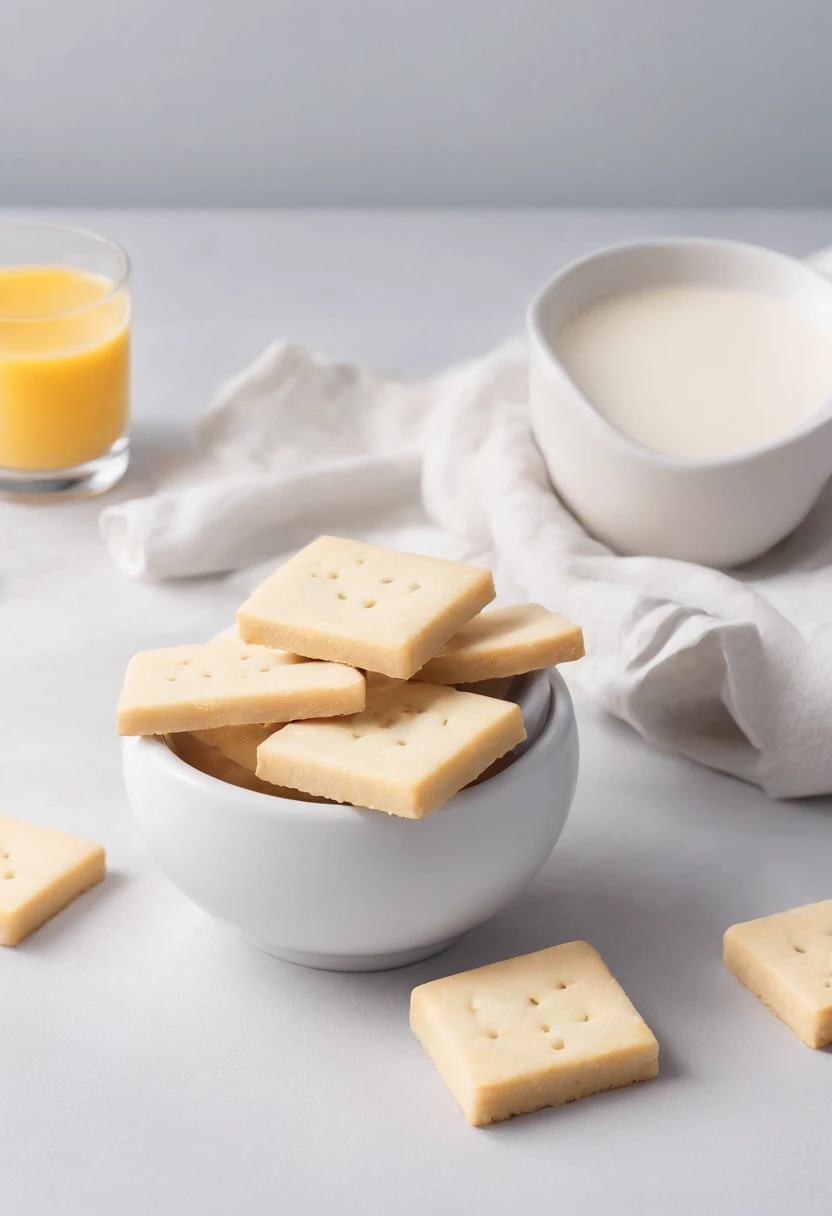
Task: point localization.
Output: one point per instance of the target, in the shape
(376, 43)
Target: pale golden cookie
(533, 1031)
(41, 871)
(786, 960)
(505, 642)
(407, 752)
(213, 763)
(351, 602)
(486, 688)
(229, 683)
(238, 743)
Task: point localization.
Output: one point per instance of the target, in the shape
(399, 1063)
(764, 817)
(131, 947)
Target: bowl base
(356, 962)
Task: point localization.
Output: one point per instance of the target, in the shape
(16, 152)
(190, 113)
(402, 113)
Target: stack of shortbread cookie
(370, 677)
(351, 680)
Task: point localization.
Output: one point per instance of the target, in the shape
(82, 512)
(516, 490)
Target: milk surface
(698, 371)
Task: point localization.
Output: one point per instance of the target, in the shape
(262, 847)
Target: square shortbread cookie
(505, 642)
(786, 961)
(486, 688)
(351, 602)
(493, 770)
(534, 1031)
(229, 683)
(238, 743)
(213, 763)
(41, 871)
(412, 747)
(483, 688)
(376, 680)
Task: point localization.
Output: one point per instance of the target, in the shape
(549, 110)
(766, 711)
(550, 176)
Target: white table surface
(152, 1062)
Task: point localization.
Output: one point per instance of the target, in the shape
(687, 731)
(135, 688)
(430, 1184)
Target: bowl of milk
(681, 395)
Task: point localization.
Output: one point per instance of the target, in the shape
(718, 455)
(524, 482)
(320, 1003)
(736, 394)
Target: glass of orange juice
(64, 361)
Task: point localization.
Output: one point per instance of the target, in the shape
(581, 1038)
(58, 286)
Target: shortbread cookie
(786, 960)
(410, 750)
(213, 763)
(486, 688)
(534, 1031)
(239, 743)
(41, 871)
(229, 683)
(505, 642)
(376, 680)
(494, 769)
(351, 602)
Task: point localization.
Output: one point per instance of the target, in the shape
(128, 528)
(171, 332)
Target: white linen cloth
(732, 670)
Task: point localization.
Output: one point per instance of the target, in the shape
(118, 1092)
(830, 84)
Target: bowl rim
(151, 749)
(819, 418)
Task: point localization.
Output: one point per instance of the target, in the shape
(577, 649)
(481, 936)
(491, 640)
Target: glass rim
(76, 230)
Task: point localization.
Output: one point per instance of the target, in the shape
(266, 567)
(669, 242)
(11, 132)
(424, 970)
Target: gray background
(394, 102)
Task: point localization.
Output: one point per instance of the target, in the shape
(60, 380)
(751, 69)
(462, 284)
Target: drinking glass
(64, 361)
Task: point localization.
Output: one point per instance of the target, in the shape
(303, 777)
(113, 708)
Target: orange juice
(64, 366)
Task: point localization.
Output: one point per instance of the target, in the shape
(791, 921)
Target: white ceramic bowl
(720, 511)
(352, 889)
